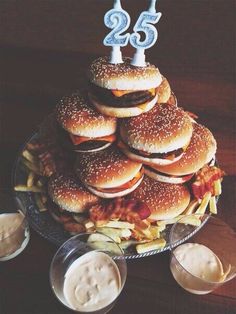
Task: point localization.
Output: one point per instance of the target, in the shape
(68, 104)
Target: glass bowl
(207, 259)
(74, 251)
(14, 229)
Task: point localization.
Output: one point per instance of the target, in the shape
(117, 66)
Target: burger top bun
(163, 91)
(163, 129)
(123, 76)
(106, 169)
(165, 200)
(69, 194)
(76, 116)
(200, 151)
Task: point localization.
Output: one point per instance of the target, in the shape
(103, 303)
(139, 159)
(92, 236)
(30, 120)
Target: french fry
(191, 207)
(155, 232)
(25, 188)
(161, 228)
(39, 183)
(27, 155)
(145, 233)
(110, 232)
(117, 224)
(127, 243)
(88, 224)
(213, 208)
(205, 201)
(96, 237)
(122, 233)
(150, 246)
(163, 223)
(189, 220)
(30, 179)
(217, 187)
(39, 202)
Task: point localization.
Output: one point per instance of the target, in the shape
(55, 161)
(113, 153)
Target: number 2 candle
(118, 20)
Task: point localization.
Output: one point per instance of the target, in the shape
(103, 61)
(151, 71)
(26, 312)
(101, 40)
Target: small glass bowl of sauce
(88, 272)
(207, 259)
(14, 229)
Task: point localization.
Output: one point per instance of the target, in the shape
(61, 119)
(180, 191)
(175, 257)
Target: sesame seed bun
(163, 129)
(69, 194)
(121, 112)
(76, 116)
(165, 200)
(200, 151)
(163, 91)
(123, 76)
(109, 168)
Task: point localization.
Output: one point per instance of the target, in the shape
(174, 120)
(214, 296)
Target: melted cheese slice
(126, 185)
(119, 93)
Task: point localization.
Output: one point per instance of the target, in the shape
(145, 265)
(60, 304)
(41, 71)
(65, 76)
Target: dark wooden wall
(77, 26)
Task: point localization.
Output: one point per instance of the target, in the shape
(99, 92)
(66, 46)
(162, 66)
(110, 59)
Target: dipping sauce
(92, 282)
(13, 235)
(200, 267)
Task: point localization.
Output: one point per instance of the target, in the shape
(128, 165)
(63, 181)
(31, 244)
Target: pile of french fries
(35, 181)
(145, 235)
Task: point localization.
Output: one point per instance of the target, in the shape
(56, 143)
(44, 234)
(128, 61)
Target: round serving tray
(47, 227)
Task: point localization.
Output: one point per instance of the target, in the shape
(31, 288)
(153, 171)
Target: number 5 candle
(118, 20)
(144, 24)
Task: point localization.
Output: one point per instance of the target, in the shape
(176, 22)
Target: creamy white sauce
(13, 235)
(199, 261)
(92, 282)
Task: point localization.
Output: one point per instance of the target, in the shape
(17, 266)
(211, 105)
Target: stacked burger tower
(141, 162)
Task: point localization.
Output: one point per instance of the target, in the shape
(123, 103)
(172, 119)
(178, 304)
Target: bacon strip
(130, 210)
(205, 180)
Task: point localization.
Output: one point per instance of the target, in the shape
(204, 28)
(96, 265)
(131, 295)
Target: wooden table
(46, 47)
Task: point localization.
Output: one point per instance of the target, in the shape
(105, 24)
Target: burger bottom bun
(165, 178)
(162, 177)
(122, 112)
(115, 194)
(78, 150)
(149, 161)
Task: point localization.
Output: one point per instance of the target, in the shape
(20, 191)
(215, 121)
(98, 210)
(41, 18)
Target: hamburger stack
(140, 160)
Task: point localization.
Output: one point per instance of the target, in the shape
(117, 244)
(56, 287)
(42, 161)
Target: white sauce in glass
(92, 282)
(13, 235)
(199, 261)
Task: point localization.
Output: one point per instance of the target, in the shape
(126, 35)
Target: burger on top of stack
(135, 175)
(122, 90)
